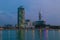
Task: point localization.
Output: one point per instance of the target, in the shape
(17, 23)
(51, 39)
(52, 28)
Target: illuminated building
(28, 24)
(21, 17)
(40, 23)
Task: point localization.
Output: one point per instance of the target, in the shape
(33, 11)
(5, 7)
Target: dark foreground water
(30, 34)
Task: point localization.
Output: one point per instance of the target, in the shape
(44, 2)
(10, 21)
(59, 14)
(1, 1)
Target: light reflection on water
(30, 34)
(0, 35)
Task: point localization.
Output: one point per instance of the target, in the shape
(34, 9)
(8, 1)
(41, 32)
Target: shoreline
(17, 28)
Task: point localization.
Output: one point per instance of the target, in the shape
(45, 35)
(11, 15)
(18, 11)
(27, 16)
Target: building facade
(21, 17)
(40, 23)
(28, 24)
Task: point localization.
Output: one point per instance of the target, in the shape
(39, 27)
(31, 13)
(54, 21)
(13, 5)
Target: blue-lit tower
(21, 17)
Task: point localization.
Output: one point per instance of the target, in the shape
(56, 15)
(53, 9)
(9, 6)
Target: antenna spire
(39, 15)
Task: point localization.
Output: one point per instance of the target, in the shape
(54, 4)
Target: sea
(29, 34)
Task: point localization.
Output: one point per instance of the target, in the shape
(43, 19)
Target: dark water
(30, 34)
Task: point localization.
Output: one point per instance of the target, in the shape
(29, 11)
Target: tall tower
(39, 16)
(21, 17)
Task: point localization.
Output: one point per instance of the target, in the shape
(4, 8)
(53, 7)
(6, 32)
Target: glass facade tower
(21, 17)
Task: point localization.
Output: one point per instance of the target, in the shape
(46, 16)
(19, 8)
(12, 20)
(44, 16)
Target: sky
(50, 11)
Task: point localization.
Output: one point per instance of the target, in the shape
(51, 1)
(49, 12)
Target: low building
(28, 24)
(39, 24)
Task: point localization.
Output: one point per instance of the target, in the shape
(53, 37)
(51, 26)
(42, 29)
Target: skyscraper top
(20, 7)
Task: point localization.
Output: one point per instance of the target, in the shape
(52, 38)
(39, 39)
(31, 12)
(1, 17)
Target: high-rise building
(21, 17)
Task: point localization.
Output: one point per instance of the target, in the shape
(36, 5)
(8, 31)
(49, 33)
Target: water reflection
(46, 34)
(21, 34)
(5, 35)
(8, 35)
(0, 35)
(40, 34)
(26, 34)
(30, 34)
(33, 34)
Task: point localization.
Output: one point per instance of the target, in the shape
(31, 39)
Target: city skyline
(49, 10)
